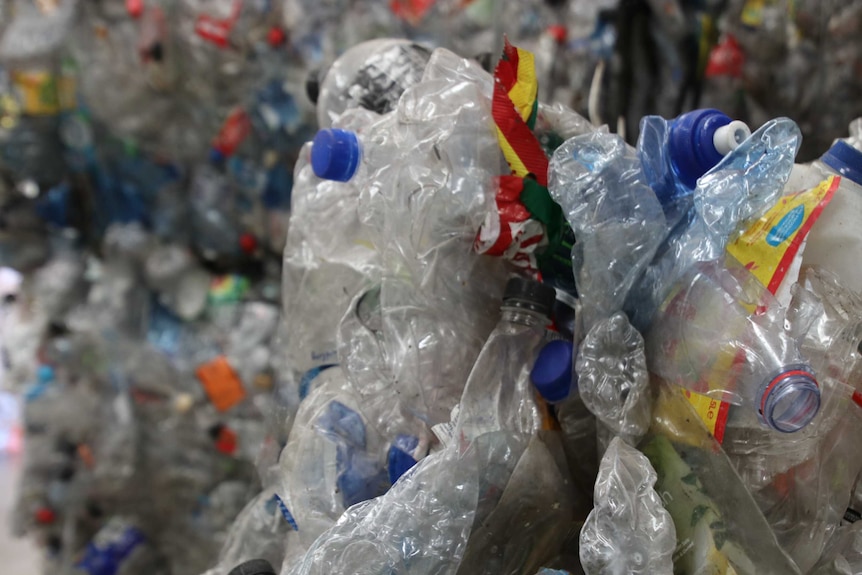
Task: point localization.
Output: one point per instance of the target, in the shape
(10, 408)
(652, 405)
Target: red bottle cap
(45, 515)
(276, 36)
(135, 8)
(247, 243)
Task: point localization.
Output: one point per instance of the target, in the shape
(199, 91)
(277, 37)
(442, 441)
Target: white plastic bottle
(835, 241)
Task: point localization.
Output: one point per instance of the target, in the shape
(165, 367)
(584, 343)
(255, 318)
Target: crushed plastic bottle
(629, 531)
(722, 335)
(498, 394)
(613, 380)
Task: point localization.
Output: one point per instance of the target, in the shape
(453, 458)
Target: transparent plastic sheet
(718, 524)
(746, 182)
(332, 447)
(422, 524)
(530, 523)
(824, 317)
(259, 532)
(843, 553)
(617, 220)
(629, 530)
(612, 377)
(803, 485)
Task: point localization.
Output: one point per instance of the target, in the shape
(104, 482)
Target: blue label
(309, 376)
(285, 512)
(786, 227)
(106, 558)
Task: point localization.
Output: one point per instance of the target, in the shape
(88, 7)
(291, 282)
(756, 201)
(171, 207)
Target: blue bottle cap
(844, 159)
(335, 154)
(552, 372)
(216, 156)
(53, 207)
(692, 146)
(790, 400)
(400, 459)
(45, 374)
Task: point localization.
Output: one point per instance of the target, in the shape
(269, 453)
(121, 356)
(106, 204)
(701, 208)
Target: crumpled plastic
(825, 318)
(613, 378)
(718, 524)
(421, 525)
(617, 219)
(843, 554)
(529, 523)
(259, 532)
(746, 182)
(629, 531)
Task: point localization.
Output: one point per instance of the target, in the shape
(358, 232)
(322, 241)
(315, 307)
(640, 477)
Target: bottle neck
(523, 316)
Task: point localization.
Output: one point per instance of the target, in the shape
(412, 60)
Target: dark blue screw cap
(216, 157)
(844, 159)
(335, 154)
(399, 458)
(690, 140)
(552, 372)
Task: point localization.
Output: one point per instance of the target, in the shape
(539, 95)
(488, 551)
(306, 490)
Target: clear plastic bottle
(554, 377)
(372, 75)
(835, 241)
(498, 394)
(721, 334)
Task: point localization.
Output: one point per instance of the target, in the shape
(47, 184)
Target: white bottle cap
(728, 138)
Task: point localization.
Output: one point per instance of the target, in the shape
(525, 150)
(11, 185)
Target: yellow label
(752, 13)
(712, 412)
(38, 92)
(769, 246)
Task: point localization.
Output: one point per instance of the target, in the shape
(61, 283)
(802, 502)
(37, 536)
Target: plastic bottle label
(228, 289)
(38, 92)
(445, 431)
(236, 127)
(711, 411)
(769, 246)
(221, 383)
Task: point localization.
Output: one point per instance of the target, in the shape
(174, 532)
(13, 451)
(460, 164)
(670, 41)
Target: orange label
(221, 383)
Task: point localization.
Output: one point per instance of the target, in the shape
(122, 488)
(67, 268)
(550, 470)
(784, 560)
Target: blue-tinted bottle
(675, 153)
